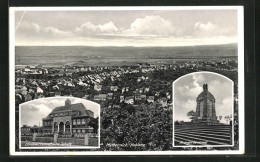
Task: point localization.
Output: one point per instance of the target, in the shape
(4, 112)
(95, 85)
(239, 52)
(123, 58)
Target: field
(52, 56)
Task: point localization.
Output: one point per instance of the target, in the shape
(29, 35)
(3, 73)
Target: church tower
(67, 103)
(205, 110)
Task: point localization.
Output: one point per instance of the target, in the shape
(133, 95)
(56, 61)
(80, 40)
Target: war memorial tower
(205, 110)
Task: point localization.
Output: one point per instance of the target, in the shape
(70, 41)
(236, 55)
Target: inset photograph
(59, 122)
(203, 110)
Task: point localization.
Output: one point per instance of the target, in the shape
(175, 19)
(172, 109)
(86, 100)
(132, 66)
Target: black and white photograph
(57, 122)
(203, 110)
(127, 60)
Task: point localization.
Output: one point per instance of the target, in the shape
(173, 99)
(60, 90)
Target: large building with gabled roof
(70, 119)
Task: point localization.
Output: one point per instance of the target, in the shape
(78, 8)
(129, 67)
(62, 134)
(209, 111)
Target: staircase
(202, 135)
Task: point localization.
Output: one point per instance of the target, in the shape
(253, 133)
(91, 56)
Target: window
(74, 131)
(83, 122)
(56, 115)
(61, 114)
(78, 130)
(74, 122)
(83, 131)
(51, 115)
(67, 113)
(78, 122)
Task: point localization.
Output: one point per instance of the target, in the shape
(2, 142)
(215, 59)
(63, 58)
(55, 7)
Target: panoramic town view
(127, 65)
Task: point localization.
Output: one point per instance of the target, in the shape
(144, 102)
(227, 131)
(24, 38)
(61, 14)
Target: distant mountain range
(226, 50)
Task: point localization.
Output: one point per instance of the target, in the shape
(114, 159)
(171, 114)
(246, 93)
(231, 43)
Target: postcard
(126, 80)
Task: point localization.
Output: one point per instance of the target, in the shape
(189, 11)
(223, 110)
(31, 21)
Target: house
(56, 87)
(137, 97)
(39, 90)
(123, 90)
(109, 96)
(146, 89)
(113, 88)
(143, 97)
(27, 97)
(24, 88)
(116, 106)
(150, 99)
(163, 101)
(97, 87)
(100, 97)
(157, 93)
(122, 98)
(139, 79)
(24, 92)
(85, 97)
(57, 94)
(82, 84)
(110, 105)
(41, 96)
(129, 100)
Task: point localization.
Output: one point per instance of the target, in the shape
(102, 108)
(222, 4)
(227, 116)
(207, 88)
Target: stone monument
(205, 110)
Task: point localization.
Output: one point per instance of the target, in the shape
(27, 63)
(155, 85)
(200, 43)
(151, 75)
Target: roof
(205, 94)
(72, 107)
(129, 97)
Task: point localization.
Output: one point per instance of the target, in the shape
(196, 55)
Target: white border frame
(232, 93)
(77, 147)
(240, 17)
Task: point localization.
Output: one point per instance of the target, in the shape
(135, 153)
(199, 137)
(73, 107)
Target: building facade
(70, 119)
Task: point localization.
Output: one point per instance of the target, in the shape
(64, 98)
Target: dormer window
(56, 115)
(51, 115)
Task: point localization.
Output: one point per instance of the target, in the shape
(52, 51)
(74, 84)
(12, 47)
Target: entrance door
(62, 128)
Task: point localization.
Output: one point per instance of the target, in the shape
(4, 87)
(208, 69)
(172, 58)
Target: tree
(94, 123)
(228, 118)
(191, 114)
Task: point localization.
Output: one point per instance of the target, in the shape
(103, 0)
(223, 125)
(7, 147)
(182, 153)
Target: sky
(125, 27)
(32, 112)
(187, 89)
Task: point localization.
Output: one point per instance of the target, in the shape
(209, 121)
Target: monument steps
(196, 139)
(214, 135)
(204, 130)
(220, 134)
(206, 136)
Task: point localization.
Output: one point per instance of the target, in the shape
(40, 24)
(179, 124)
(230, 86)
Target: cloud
(90, 29)
(212, 30)
(150, 25)
(153, 30)
(182, 108)
(32, 112)
(33, 29)
(187, 88)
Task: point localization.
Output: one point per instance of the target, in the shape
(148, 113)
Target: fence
(82, 140)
